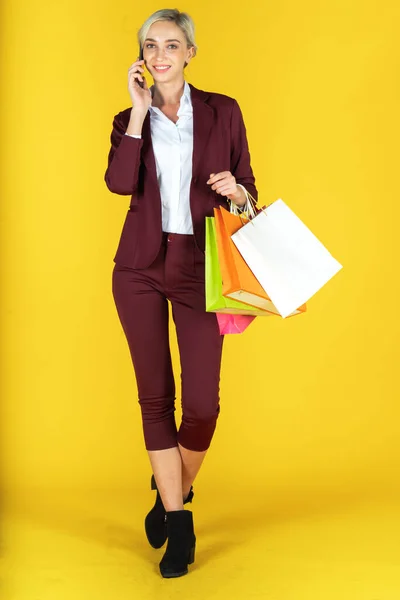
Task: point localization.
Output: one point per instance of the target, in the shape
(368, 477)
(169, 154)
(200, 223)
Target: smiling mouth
(161, 68)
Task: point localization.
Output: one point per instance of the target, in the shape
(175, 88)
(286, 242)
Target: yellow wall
(318, 404)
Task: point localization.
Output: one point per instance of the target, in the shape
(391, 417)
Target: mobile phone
(141, 83)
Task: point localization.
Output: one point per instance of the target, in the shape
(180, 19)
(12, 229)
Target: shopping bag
(233, 323)
(288, 260)
(238, 281)
(215, 301)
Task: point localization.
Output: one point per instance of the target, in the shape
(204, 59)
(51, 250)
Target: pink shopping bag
(233, 323)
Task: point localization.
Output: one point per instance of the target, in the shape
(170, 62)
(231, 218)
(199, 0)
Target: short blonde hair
(182, 19)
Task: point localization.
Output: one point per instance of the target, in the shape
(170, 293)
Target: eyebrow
(151, 40)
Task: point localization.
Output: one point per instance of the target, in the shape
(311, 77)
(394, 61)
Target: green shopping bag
(215, 301)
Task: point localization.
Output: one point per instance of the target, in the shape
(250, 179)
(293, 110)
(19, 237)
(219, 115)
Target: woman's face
(165, 46)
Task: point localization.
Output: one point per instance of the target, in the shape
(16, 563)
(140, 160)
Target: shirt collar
(185, 101)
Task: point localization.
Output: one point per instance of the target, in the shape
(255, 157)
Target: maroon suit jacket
(219, 144)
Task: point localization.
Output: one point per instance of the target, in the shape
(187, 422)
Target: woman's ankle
(174, 508)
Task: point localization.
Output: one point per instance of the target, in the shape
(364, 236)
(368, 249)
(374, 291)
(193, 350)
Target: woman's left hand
(224, 183)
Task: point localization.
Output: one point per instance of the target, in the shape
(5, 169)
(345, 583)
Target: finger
(133, 78)
(221, 182)
(135, 65)
(225, 190)
(135, 68)
(214, 177)
(136, 76)
(209, 179)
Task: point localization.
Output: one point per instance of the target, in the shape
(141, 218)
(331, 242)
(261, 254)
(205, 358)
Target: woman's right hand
(141, 97)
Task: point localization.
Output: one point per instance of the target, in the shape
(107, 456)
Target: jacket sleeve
(122, 172)
(240, 155)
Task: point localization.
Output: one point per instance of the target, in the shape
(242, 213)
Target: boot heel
(191, 555)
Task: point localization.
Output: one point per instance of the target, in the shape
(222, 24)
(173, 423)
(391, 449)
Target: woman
(178, 152)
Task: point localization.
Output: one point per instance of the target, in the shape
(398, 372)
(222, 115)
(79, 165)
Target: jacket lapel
(202, 125)
(203, 116)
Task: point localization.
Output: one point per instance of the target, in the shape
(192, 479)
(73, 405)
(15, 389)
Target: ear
(190, 56)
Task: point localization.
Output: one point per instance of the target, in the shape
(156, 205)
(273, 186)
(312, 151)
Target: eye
(174, 46)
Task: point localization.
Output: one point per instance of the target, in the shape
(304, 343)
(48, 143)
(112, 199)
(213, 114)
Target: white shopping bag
(288, 260)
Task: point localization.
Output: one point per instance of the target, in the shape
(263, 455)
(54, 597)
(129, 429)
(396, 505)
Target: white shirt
(173, 150)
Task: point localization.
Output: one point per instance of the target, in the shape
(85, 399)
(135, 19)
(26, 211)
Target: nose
(160, 53)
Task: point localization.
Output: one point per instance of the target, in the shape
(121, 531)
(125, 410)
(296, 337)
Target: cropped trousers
(141, 297)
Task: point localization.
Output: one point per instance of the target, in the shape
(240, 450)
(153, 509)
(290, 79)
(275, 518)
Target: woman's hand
(224, 183)
(141, 97)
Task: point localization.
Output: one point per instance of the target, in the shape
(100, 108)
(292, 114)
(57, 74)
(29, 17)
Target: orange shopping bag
(238, 281)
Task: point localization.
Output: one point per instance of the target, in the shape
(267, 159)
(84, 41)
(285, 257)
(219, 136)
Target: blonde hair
(182, 19)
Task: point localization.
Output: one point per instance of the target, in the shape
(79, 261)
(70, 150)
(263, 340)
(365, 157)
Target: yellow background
(311, 417)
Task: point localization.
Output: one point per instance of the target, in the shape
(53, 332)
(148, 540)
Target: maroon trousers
(141, 297)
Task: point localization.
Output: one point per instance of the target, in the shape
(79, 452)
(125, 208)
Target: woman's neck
(167, 95)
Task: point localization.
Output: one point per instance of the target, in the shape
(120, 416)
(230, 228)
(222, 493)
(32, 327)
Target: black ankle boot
(155, 522)
(181, 544)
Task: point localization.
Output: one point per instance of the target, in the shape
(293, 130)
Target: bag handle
(249, 209)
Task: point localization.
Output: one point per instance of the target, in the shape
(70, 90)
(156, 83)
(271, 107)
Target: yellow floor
(78, 545)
